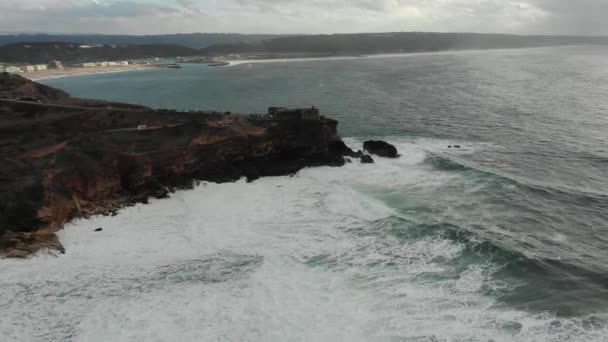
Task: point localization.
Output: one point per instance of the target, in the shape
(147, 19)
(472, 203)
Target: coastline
(234, 62)
(75, 164)
(68, 72)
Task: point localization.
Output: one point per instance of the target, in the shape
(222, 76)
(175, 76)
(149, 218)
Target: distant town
(81, 59)
(58, 65)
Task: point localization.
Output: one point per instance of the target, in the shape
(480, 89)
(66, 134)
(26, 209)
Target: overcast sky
(587, 17)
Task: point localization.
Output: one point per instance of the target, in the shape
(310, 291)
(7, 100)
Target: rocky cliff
(63, 157)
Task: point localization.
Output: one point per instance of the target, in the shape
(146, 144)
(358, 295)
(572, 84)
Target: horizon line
(23, 33)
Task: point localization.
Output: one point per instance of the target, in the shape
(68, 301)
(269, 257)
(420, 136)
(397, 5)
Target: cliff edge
(64, 157)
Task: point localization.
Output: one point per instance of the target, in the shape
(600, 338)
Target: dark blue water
(527, 193)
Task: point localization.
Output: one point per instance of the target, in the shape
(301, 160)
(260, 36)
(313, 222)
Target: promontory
(63, 157)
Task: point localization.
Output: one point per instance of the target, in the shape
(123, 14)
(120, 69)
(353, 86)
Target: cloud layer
(572, 17)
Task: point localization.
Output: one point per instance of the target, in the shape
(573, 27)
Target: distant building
(103, 64)
(55, 65)
(310, 114)
(142, 127)
(112, 63)
(28, 68)
(88, 65)
(12, 69)
(274, 110)
(40, 67)
(123, 63)
(281, 113)
(85, 46)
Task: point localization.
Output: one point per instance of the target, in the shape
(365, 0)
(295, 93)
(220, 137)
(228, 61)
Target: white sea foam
(303, 258)
(372, 56)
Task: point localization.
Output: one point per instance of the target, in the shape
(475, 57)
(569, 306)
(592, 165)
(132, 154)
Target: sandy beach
(56, 73)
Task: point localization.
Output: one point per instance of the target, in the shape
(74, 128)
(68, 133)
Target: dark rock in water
(161, 193)
(450, 146)
(252, 175)
(456, 146)
(98, 229)
(367, 159)
(380, 148)
(339, 147)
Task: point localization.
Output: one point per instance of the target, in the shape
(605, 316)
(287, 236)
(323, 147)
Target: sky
(569, 17)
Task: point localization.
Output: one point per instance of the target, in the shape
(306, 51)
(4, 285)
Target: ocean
(504, 239)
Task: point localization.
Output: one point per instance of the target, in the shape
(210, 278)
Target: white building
(112, 63)
(123, 63)
(40, 67)
(88, 65)
(55, 65)
(28, 68)
(12, 69)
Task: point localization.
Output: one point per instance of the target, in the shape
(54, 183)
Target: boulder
(380, 148)
(161, 193)
(338, 147)
(367, 159)
(98, 229)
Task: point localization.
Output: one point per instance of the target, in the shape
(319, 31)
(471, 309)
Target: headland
(64, 157)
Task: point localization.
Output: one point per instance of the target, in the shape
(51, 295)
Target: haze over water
(504, 239)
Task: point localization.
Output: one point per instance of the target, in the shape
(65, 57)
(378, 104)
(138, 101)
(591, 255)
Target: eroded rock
(380, 148)
(367, 159)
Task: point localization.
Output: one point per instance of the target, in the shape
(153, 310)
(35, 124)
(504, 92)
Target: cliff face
(16, 87)
(88, 157)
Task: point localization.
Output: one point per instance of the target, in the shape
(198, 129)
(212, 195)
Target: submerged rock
(161, 193)
(367, 159)
(98, 229)
(380, 148)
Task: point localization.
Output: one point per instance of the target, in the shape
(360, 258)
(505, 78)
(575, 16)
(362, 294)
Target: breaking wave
(359, 253)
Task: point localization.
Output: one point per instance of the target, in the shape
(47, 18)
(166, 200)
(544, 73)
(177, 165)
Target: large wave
(332, 254)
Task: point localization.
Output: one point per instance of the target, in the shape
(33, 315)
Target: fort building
(282, 113)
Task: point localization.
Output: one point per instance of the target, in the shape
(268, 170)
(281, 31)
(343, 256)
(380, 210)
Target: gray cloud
(305, 16)
(587, 17)
(118, 9)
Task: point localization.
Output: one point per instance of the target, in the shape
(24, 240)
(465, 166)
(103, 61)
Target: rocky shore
(63, 157)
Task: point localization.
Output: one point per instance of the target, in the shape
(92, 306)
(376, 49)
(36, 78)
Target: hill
(37, 53)
(369, 43)
(192, 40)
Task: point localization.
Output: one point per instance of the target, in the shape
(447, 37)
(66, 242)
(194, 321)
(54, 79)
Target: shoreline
(177, 149)
(70, 72)
(234, 62)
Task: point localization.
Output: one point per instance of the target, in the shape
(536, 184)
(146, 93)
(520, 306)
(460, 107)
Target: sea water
(503, 239)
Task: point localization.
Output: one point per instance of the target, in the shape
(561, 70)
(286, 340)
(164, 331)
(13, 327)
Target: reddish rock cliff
(63, 157)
